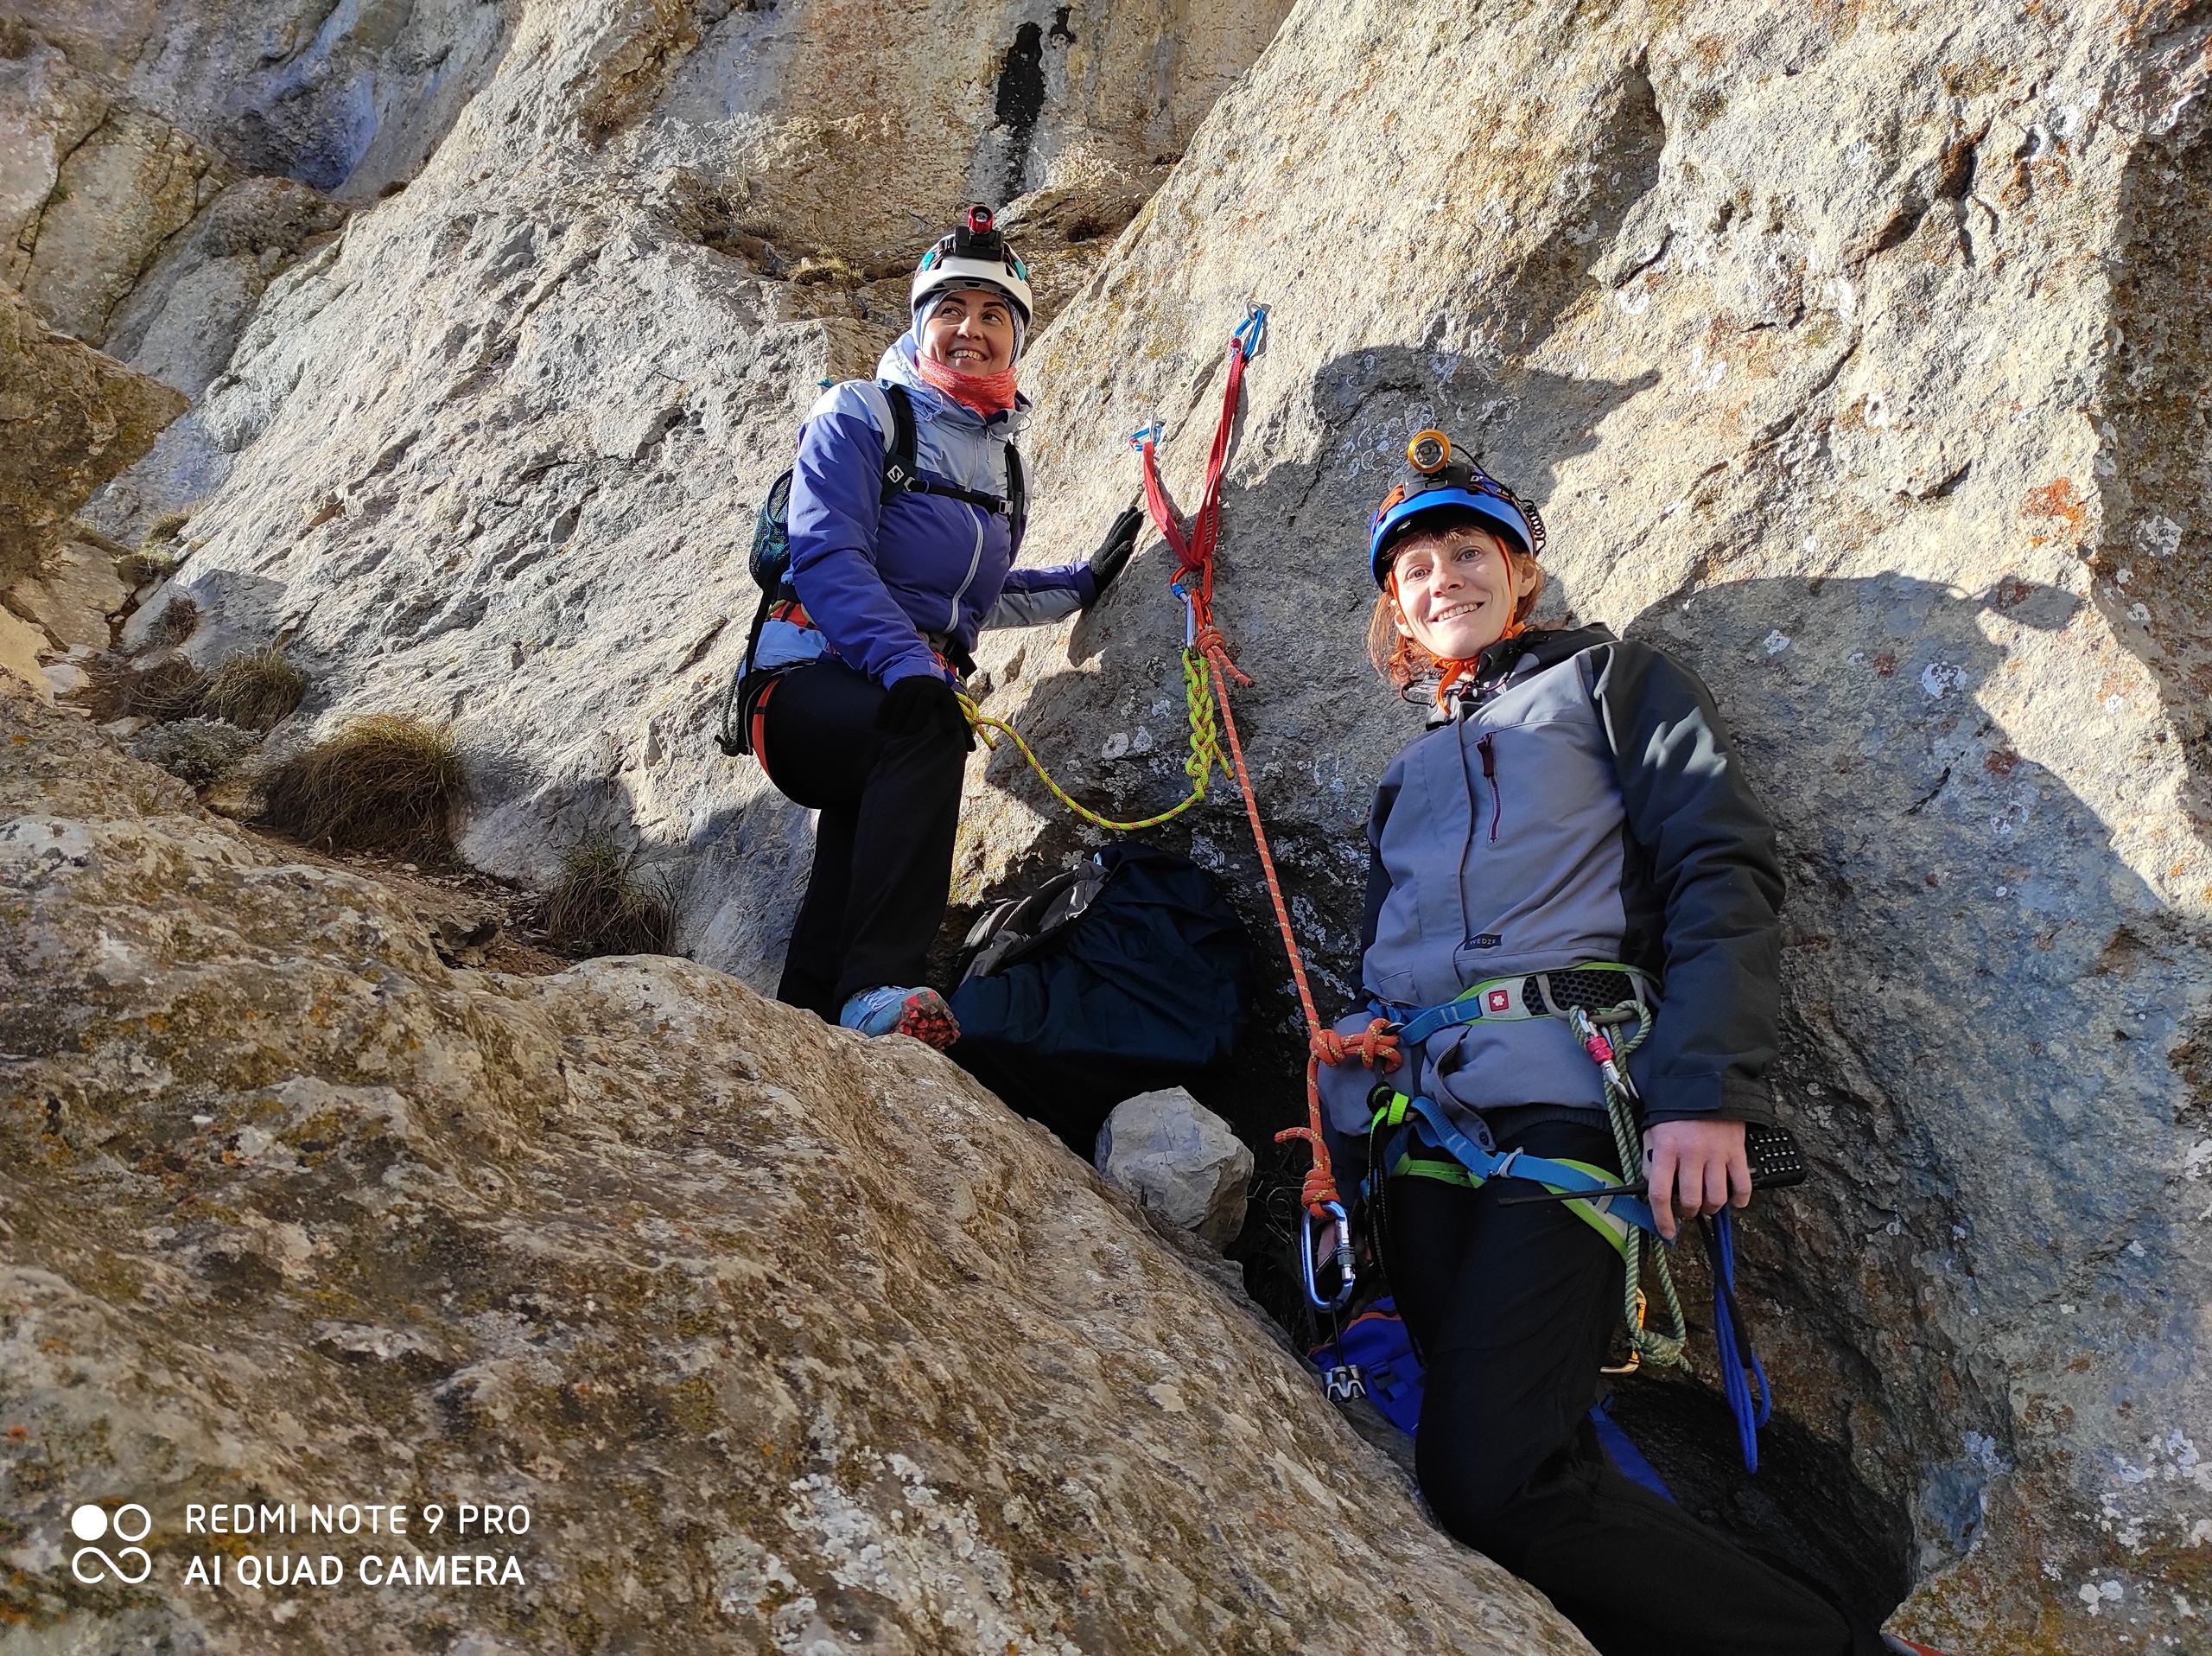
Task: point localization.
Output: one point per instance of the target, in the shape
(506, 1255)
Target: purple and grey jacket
(887, 585)
(1584, 805)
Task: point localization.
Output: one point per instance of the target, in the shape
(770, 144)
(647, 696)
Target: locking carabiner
(1346, 1279)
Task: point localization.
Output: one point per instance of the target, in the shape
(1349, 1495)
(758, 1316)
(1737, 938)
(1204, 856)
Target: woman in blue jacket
(859, 720)
(1573, 829)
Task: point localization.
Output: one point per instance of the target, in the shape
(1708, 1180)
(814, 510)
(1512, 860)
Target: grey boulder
(1181, 1161)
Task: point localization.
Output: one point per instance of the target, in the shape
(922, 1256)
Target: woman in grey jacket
(1575, 807)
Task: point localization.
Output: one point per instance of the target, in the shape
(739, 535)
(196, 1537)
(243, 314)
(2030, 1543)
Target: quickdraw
(1207, 667)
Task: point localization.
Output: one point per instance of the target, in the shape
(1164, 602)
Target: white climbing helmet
(974, 255)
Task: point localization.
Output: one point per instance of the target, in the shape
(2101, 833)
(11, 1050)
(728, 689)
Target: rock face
(643, 243)
(70, 419)
(1857, 358)
(1857, 355)
(785, 1340)
(1181, 1161)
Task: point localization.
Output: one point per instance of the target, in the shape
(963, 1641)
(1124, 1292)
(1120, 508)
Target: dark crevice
(1021, 102)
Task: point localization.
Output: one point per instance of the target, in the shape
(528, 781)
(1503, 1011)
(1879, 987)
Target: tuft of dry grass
(383, 783)
(603, 905)
(179, 620)
(254, 691)
(146, 565)
(167, 692)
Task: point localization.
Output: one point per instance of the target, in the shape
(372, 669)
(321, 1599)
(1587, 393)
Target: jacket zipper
(974, 562)
(1489, 776)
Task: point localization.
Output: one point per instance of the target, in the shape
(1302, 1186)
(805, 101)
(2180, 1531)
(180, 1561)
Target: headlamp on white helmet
(974, 255)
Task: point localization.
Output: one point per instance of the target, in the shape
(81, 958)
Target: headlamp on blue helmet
(1438, 483)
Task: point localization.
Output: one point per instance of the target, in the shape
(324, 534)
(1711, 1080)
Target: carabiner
(1345, 1279)
(1145, 434)
(1249, 330)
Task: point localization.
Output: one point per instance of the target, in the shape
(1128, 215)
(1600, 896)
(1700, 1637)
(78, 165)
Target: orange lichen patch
(2061, 502)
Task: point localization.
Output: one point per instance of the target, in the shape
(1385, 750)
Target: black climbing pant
(883, 844)
(1514, 1309)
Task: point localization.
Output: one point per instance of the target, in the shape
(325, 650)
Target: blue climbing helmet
(1438, 481)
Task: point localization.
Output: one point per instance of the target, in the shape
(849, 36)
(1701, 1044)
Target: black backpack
(1128, 973)
(770, 561)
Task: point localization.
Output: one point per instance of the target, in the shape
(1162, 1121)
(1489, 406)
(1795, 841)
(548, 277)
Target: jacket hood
(898, 366)
(1549, 646)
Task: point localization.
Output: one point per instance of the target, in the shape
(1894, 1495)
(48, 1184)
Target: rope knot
(1216, 648)
(1320, 1187)
(1376, 1047)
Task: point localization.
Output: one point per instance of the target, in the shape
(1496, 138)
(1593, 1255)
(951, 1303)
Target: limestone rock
(72, 595)
(21, 644)
(1856, 355)
(1181, 1161)
(93, 185)
(785, 1339)
(70, 419)
(491, 456)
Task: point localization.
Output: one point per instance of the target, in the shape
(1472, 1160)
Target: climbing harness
(1591, 999)
(1403, 1124)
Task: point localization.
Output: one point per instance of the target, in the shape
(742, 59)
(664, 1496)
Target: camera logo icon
(90, 1523)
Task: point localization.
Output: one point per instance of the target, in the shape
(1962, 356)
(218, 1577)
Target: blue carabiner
(1190, 613)
(1346, 1281)
(1145, 434)
(1249, 330)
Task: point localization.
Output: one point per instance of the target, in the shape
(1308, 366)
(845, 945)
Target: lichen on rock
(781, 1336)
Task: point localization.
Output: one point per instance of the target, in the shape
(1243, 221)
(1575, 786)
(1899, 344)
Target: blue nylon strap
(1450, 1016)
(1516, 1164)
(1736, 1354)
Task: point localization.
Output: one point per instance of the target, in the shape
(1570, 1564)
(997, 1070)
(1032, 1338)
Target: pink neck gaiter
(986, 393)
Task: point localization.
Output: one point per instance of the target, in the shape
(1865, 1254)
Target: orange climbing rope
(1377, 1046)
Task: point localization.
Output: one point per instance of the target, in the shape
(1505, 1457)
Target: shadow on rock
(1972, 978)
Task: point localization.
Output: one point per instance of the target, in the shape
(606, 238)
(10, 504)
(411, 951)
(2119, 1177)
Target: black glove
(924, 706)
(1114, 551)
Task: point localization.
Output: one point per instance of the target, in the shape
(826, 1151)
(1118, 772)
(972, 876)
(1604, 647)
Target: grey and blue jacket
(1581, 804)
(886, 586)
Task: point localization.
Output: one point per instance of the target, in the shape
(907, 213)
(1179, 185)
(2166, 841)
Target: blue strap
(1450, 1016)
(1519, 1165)
(1736, 1354)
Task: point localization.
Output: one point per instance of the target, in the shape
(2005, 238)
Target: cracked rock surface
(1856, 354)
(787, 1339)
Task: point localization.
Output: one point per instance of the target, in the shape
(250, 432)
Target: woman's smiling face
(1457, 590)
(971, 329)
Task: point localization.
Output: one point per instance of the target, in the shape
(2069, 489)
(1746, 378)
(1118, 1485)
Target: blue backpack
(1376, 1341)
